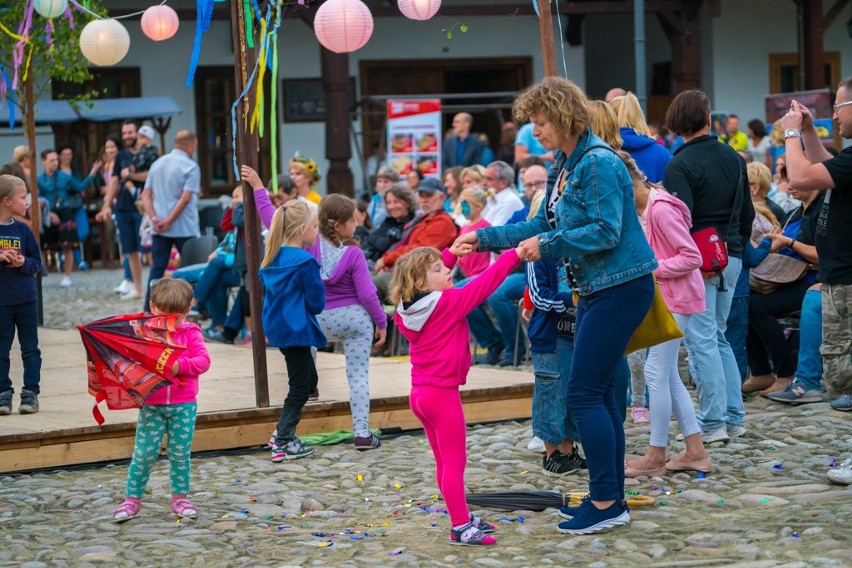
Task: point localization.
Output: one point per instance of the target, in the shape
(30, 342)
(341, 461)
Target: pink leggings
(439, 409)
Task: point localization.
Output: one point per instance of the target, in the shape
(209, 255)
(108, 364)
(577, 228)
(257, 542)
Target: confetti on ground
(397, 486)
(777, 466)
(396, 552)
(720, 501)
(700, 475)
(359, 478)
(662, 503)
(766, 500)
(796, 535)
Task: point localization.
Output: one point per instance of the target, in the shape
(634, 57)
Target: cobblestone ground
(766, 504)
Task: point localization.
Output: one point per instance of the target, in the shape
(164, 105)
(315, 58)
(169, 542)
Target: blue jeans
(809, 369)
(720, 399)
(190, 273)
(605, 322)
(504, 306)
(160, 253)
(552, 419)
(24, 318)
(212, 289)
(737, 333)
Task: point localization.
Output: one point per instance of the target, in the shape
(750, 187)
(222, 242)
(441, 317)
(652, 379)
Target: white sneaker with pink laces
(639, 414)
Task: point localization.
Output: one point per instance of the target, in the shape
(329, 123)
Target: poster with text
(414, 136)
(818, 101)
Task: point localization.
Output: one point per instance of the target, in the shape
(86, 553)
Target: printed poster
(414, 136)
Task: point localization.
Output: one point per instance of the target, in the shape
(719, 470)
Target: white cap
(147, 132)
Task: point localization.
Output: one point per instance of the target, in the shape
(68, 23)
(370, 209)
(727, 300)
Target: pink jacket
(195, 362)
(436, 325)
(668, 224)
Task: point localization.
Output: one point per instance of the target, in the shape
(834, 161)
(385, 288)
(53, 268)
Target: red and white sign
(414, 136)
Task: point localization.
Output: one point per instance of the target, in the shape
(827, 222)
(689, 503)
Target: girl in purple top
(352, 306)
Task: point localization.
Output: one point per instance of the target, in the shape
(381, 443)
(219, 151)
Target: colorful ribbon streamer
(203, 14)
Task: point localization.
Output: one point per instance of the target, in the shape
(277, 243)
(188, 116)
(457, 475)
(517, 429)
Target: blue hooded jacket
(293, 295)
(650, 156)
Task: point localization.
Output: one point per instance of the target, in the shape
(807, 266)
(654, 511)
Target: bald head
(616, 92)
(535, 179)
(185, 140)
(461, 124)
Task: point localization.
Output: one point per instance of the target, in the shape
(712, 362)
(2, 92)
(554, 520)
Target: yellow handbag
(658, 326)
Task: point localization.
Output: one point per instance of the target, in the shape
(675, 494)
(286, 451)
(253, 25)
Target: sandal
(183, 507)
(126, 511)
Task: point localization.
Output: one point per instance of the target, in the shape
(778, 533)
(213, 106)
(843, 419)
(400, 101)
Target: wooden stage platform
(64, 432)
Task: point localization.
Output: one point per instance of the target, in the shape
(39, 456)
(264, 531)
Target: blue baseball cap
(431, 185)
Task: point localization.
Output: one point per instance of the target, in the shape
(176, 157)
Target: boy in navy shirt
(20, 261)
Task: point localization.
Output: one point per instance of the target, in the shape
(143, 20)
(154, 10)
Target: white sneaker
(842, 473)
(736, 430)
(132, 295)
(718, 435)
(536, 445)
(123, 288)
(65, 282)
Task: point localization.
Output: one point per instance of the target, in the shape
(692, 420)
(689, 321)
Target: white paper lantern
(104, 42)
(343, 26)
(419, 9)
(50, 8)
(160, 22)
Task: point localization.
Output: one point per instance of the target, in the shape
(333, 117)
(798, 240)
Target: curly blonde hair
(560, 100)
(409, 273)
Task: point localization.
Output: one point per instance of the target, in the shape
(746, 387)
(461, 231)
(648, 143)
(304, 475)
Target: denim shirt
(597, 228)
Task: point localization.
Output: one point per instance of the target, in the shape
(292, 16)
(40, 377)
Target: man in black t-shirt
(810, 167)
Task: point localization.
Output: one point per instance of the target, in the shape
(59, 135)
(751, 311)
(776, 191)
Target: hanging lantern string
(99, 17)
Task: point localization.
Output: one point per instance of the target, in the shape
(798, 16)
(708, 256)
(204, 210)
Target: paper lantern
(342, 26)
(50, 8)
(160, 22)
(419, 9)
(104, 42)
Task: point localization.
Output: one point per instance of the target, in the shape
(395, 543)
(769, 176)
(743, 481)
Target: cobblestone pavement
(766, 504)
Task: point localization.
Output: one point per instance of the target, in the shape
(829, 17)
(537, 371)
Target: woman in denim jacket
(589, 219)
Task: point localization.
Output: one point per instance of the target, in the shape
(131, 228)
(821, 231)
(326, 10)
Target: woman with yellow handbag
(666, 221)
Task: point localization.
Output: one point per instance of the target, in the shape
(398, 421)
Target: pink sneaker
(183, 507)
(126, 511)
(639, 414)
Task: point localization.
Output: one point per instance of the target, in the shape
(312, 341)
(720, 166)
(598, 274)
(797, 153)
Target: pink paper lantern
(343, 26)
(160, 22)
(419, 9)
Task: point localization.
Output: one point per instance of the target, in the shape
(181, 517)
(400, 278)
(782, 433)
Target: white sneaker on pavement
(65, 282)
(536, 445)
(736, 430)
(123, 288)
(132, 295)
(842, 473)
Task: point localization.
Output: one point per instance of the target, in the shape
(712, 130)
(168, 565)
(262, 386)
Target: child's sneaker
(367, 442)
(293, 450)
(6, 402)
(183, 507)
(271, 441)
(29, 402)
(481, 524)
(639, 415)
(589, 519)
(469, 535)
(127, 510)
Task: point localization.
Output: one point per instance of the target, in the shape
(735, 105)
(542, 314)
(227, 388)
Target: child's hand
(461, 249)
(526, 314)
(250, 176)
(17, 259)
(381, 336)
(176, 369)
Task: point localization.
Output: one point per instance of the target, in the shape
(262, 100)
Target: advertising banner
(414, 136)
(819, 102)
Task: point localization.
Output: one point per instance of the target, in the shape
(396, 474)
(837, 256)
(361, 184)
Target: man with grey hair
(461, 149)
(500, 179)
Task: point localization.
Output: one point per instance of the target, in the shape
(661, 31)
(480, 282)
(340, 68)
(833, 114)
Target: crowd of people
(600, 224)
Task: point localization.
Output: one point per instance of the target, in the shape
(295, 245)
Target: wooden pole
(548, 51)
(812, 40)
(29, 129)
(338, 149)
(247, 148)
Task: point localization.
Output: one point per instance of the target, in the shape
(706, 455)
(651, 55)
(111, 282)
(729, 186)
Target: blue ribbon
(203, 14)
(11, 96)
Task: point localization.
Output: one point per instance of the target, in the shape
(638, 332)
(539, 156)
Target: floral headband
(310, 165)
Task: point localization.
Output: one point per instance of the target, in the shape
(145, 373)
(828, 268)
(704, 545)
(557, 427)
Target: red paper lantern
(160, 22)
(419, 9)
(343, 26)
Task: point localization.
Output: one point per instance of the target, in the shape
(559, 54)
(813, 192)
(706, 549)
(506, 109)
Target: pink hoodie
(436, 325)
(194, 363)
(668, 224)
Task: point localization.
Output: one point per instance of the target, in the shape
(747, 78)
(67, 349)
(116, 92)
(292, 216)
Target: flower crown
(310, 165)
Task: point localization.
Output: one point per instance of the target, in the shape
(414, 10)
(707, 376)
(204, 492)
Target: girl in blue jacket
(294, 295)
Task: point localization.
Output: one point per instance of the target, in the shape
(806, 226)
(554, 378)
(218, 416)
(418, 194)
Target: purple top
(349, 283)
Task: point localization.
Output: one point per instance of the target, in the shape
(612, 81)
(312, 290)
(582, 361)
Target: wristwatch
(792, 133)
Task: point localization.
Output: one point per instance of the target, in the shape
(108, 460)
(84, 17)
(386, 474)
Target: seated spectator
(472, 176)
(506, 148)
(780, 192)
(414, 177)
(453, 183)
(306, 176)
(500, 180)
(364, 223)
(433, 228)
(522, 167)
(769, 358)
(386, 177)
(760, 182)
(534, 178)
(807, 386)
(471, 205)
(638, 142)
(400, 206)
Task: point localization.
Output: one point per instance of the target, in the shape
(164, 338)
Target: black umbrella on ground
(538, 500)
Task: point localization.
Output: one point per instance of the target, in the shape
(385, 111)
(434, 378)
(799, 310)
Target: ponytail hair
(288, 220)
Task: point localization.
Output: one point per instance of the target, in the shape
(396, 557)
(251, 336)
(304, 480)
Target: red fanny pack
(714, 252)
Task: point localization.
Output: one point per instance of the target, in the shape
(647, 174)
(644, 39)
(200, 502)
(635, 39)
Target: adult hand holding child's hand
(461, 250)
(528, 250)
(469, 239)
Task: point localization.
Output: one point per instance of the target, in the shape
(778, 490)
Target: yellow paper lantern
(342, 26)
(104, 42)
(160, 22)
(419, 9)
(50, 8)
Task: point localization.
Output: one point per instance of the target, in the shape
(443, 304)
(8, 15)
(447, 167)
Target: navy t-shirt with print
(834, 224)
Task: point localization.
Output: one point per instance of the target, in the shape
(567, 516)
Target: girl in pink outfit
(666, 221)
(432, 315)
(472, 202)
(170, 410)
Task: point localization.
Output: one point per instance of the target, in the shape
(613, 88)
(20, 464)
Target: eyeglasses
(538, 184)
(838, 105)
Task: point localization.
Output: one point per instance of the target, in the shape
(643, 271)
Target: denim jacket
(597, 229)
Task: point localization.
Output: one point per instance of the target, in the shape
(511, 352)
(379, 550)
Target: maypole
(548, 52)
